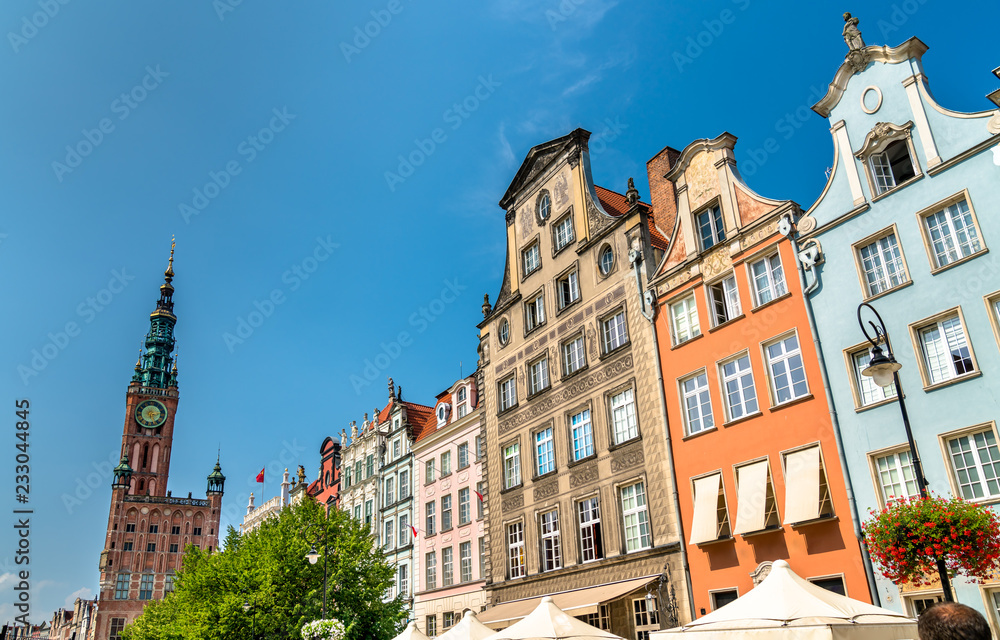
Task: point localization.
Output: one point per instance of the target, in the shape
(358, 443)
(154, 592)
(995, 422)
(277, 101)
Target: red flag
(480, 496)
(414, 530)
(260, 476)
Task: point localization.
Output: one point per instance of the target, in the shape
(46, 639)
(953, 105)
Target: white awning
(575, 603)
(802, 485)
(705, 523)
(751, 497)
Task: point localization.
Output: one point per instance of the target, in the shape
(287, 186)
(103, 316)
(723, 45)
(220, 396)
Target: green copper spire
(155, 370)
(216, 481)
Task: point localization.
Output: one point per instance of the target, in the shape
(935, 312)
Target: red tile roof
(421, 417)
(616, 205)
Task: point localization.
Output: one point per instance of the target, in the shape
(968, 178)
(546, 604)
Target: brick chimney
(661, 190)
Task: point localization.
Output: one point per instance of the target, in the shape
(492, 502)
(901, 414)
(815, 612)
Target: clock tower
(148, 528)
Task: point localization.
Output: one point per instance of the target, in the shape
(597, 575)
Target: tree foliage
(267, 569)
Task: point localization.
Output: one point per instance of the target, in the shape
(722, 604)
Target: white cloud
(506, 152)
(83, 593)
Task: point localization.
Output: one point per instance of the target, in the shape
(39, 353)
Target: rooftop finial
(487, 309)
(852, 35)
(174, 368)
(168, 275)
(392, 390)
(632, 195)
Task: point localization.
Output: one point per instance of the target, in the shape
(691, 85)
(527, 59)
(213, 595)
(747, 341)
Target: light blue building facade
(909, 222)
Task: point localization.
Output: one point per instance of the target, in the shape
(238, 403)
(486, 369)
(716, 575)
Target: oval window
(504, 331)
(544, 206)
(607, 260)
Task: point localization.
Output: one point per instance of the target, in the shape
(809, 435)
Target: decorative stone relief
(993, 126)
(680, 278)
(626, 459)
(716, 262)
(584, 475)
(560, 191)
(806, 224)
(546, 490)
(592, 339)
(526, 222)
(758, 235)
(761, 572)
(597, 221)
(514, 502)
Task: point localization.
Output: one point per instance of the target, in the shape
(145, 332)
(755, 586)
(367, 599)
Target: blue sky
(261, 135)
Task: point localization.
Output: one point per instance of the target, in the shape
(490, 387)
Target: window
(613, 332)
(146, 586)
(173, 548)
(511, 465)
(975, 461)
(545, 457)
(917, 605)
(684, 320)
(482, 557)
(768, 279)
(892, 167)
(480, 492)
(154, 528)
(538, 375)
(574, 355)
(464, 506)
(430, 570)
(504, 332)
(636, 518)
(623, 420)
(737, 382)
(150, 547)
(881, 264)
(534, 312)
(347, 476)
(390, 493)
(788, 376)
(807, 492)
(508, 394)
(601, 619)
(515, 550)
(429, 471)
(568, 287)
(952, 234)
(756, 508)
(117, 627)
(395, 449)
(544, 206)
(833, 584)
(447, 566)
(388, 535)
(551, 553)
(532, 259)
(591, 542)
(711, 517)
(368, 514)
(449, 619)
(196, 531)
(465, 561)
(564, 232)
(405, 532)
(463, 455)
(130, 527)
(122, 586)
(446, 464)
(446, 512)
(369, 465)
(724, 597)
(429, 518)
(431, 624)
(442, 414)
(358, 470)
(463, 410)
(606, 261)
(697, 404)
(127, 546)
(582, 435)
(646, 617)
(404, 582)
(357, 512)
(725, 299)
(868, 393)
(168, 583)
(404, 484)
(710, 228)
(945, 349)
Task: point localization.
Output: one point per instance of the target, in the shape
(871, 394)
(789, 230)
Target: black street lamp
(884, 371)
(313, 558)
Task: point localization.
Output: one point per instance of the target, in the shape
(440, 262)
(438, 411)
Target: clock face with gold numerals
(150, 414)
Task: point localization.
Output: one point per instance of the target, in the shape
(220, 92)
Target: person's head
(952, 621)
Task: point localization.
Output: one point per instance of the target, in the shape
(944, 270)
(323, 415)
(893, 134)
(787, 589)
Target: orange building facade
(758, 469)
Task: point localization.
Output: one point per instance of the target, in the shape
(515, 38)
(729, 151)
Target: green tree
(267, 569)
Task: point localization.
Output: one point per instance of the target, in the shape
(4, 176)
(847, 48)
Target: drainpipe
(635, 257)
(808, 289)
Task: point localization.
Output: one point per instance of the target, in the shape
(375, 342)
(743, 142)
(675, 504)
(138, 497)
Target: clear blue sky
(200, 84)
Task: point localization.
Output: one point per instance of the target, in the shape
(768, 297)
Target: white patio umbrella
(468, 628)
(784, 604)
(549, 622)
(411, 633)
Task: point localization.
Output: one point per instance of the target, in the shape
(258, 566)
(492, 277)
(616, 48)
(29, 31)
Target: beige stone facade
(577, 460)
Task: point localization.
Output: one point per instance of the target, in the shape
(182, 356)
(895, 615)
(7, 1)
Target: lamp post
(253, 618)
(884, 371)
(313, 557)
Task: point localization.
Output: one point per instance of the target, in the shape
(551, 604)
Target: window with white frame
(463, 455)
(613, 332)
(891, 167)
(446, 464)
(504, 332)
(395, 448)
(767, 279)
(623, 419)
(404, 484)
(582, 434)
(447, 566)
(723, 597)
(538, 375)
(405, 532)
(737, 382)
(448, 619)
(532, 259)
(945, 349)
(430, 518)
(389, 528)
(515, 550)
(568, 287)
(404, 581)
(429, 471)
(784, 364)
(952, 233)
(544, 206)
(697, 404)
(882, 265)
(464, 506)
(480, 492)
(390, 494)
(551, 550)
(647, 617)
(508, 393)
(684, 319)
(534, 312)
(446, 512)
(975, 462)
(725, 300)
(511, 465)
(432, 624)
(430, 570)
(895, 476)
(465, 561)
(545, 457)
(574, 355)
(635, 518)
(710, 228)
(591, 541)
(564, 232)
(482, 556)
(869, 393)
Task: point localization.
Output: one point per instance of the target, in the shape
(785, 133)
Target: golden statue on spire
(169, 273)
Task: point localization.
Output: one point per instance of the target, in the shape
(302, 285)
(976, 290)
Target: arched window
(145, 455)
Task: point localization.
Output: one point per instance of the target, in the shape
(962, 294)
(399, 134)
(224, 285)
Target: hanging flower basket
(324, 630)
(907, 538)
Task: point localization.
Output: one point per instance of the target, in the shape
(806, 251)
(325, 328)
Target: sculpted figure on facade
(852, 35)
